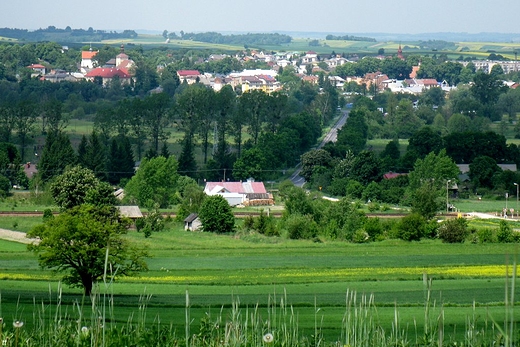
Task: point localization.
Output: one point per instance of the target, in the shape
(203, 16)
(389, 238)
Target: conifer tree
(56, 156)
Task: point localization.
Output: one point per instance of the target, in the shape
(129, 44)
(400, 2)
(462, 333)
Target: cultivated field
(301, 44)
(258, 273)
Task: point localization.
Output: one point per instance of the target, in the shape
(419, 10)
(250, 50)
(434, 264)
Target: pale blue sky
(329, 16)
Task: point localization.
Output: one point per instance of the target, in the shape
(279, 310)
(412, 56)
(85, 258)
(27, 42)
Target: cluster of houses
(119, 67)
(122, 68)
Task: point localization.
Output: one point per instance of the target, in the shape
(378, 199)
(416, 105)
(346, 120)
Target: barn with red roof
(241, 193)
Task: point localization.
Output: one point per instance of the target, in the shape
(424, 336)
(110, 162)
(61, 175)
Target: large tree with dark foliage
(79, 185)
(86, 242)
(120, 160)
(56, 156)
(353, 136)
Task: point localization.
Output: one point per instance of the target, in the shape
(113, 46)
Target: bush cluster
(453, 231)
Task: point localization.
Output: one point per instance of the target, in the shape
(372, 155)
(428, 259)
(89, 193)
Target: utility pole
(516, 184)
(447, 196)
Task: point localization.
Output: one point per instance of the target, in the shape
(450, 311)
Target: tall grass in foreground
(92, 322)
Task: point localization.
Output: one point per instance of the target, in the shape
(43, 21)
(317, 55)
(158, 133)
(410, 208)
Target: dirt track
(16, 236)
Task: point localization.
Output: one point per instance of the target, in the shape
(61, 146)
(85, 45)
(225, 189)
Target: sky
(327, 16)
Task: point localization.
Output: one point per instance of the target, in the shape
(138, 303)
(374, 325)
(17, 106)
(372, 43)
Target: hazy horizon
(329, 16)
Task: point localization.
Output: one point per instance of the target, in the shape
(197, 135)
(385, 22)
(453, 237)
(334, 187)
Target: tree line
(51, 33)
(239, 136)
(256, 39)
(349, 38)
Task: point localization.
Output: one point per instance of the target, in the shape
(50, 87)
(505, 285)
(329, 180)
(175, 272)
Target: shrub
(140, 223)
(373, 206)
(260, 223)
(153, 222)
(338, 186)
(301, 227)
(373, 228)
(354, 189)
(332, 230)
(453, 231)
(411, 227)
(505, 233)
(271, 229)
(47, 214)
(360, 236)
(249, 222)
(372, 192)
(5, 186)
(265, 225)
(485, 235)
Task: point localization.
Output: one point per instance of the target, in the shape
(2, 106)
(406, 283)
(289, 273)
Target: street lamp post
(516, 184)
(447, 197)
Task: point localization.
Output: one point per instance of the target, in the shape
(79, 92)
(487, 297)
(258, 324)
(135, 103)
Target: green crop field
(259, 273)
(301, 44)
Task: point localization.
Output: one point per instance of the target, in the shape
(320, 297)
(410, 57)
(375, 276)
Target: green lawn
(484, 205)
(217, 270)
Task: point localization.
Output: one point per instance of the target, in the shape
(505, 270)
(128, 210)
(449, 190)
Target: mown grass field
(217, 270)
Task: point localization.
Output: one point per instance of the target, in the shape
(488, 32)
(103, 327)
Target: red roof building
(190, 76)
(238, 187)
(107, 74)
(87, 59)
(88, 54)
(390, 175)
(37, 68)
(187, 73)
(248, 193)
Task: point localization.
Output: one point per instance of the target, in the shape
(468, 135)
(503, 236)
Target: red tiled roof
(185, 73)
(107, 73)
(125, 64)
(390, 175)
(415, 69)
(36, 66)
(124, 69)
(267, 78)
(88, 54)
(429, 81)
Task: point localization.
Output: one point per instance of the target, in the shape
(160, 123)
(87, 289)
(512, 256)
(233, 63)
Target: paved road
(331, 136)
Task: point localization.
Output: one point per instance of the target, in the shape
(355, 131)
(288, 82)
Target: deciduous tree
(313, 159)
(86, 242)
(78, 185)
(216, 216)
(154, 182)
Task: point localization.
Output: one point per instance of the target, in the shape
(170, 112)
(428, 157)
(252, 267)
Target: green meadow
(222, 273)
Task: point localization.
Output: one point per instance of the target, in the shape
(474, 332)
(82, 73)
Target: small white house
(192, 222)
